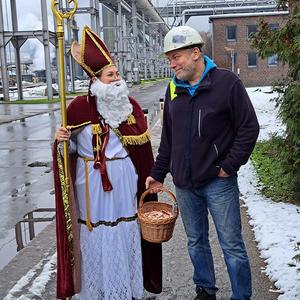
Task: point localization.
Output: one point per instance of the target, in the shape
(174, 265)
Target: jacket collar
(203, 82)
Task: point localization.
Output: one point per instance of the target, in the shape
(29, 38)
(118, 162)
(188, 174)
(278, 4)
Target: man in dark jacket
(209, 131)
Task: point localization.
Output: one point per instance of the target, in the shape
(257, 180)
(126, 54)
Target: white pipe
(212, 10)
(149, 10)
(254, 14)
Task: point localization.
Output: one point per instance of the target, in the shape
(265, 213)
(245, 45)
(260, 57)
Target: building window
(231, 33)
(273, 26)
(273, 60)
(252, 59)
(251, 29)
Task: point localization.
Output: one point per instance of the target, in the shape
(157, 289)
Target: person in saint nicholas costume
(100, 252)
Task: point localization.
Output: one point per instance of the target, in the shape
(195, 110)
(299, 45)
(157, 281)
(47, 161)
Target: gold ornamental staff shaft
(60, 16)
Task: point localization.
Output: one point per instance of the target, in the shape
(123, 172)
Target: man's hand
(153, 184)
(222, 173)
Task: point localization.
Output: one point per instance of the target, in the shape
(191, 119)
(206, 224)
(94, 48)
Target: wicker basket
(157, 231)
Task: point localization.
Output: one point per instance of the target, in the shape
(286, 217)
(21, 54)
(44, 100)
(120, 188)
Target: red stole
(83, 111)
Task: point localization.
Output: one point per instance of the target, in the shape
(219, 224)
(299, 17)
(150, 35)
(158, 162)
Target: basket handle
(160, 189)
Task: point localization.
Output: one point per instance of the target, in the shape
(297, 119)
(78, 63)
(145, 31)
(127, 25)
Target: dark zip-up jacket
(216, 127)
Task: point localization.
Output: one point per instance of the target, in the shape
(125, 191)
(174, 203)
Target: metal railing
(30, 219)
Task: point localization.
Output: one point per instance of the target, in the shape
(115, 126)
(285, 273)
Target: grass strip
(274, 180)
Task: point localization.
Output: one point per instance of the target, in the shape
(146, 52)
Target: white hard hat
(181, 37)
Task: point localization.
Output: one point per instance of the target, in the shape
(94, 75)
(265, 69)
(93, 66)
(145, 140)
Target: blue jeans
(221, 197)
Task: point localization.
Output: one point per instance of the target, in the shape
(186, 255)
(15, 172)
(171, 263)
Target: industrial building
(231, 47)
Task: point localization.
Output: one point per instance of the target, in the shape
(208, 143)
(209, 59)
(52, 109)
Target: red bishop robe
(134, 136)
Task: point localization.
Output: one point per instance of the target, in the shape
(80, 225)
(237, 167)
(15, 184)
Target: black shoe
(203, 295)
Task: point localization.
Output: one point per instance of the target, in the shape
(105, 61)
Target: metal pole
(160, 50)
(97, 17)
(46, 49)
(17, 49)
(144, 48)
(19, 238)
(4, 77)
(128, 67)
(31, 225)
(145, 111)
(68, 54)
(60, 37)
(135, 43)
(151, 54)
(120, 40)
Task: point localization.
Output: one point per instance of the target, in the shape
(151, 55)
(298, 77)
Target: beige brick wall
(262, 74)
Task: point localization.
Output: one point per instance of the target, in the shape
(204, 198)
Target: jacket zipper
(199, 123)
(190, 175)
(216, 149)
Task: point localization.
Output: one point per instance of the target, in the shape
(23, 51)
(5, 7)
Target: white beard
(112, 101)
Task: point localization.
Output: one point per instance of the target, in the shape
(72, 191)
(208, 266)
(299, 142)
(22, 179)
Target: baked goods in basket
(157, 215)
(157, 219)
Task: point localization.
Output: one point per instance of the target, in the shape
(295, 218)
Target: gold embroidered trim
(96, 129)
(86, 158)
(118, 133)
(98, 147)
(131, 119)
(65, 198)
(99, 71)
(133, 139)
(87, 197)
(110, 223)
(82, 63)
(79, 125)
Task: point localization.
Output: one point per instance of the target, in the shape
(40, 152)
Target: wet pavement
(15, 112)
(26, 135)
(25, 172)
(31, 274)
